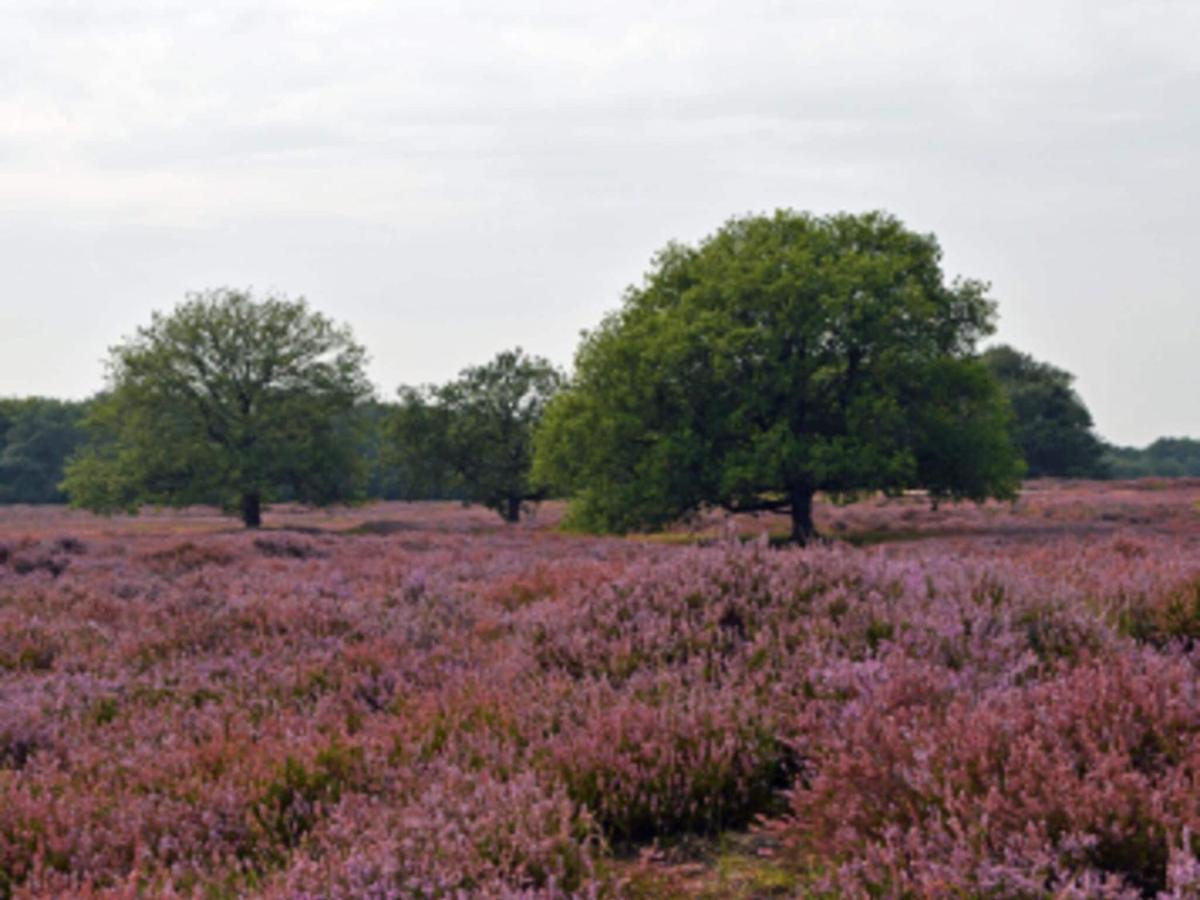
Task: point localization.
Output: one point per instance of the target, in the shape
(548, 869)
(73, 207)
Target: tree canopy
(473, 437)
(1053, 428)
(227, 399)
(783, 355)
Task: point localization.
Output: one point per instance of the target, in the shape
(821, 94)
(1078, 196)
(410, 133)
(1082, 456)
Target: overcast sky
(454, 178)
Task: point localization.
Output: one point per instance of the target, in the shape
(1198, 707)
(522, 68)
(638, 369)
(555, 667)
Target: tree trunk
(252, 510)
(512, 511)
(801, 499)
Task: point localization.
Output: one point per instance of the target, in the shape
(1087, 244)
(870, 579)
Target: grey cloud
(520, 161)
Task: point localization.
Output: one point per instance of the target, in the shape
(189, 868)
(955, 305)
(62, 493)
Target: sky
(455, 178)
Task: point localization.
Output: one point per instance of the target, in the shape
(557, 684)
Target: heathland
(419, 700)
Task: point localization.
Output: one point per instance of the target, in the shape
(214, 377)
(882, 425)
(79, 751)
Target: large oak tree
(782, 356)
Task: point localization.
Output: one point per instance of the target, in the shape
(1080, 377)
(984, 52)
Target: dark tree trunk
(252, 510)
(801, 500)
(512, 509)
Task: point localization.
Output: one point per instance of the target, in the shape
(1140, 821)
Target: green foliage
(1167, 457)
(1053, 427)
(383, 481)
(784, 355)
(965, 448)
(227, 400)
(473, 437)
(291, 804)
(104, 711)
(1164, 620)
(37, 435)
(417, 446)
(677, 784)
(405, 469)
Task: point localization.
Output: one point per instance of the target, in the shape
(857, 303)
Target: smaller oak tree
(227, 400)
(473, 437)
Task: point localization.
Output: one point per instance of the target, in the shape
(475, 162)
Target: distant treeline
(39, 434)
(1167, 457)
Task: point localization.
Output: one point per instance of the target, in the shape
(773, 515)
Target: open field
(418, 701)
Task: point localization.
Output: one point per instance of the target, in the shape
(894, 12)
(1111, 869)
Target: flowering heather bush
(466, 833)
(1084, 784)
(425, 703)
(657, 767)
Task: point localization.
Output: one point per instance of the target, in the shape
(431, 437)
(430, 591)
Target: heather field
(419, 701)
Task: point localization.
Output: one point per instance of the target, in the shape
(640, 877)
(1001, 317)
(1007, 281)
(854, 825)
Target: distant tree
(37, 436)
(383, 480)
(473, 437)
(230, 400)
(1174, 456)
(418, 452)
(1167, 457)
(782, 356)
(1053, 428)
